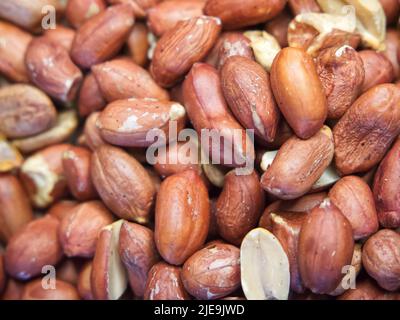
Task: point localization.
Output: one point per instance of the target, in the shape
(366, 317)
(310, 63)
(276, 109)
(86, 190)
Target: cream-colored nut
(371, 19)
(265, 47)
(264, 267)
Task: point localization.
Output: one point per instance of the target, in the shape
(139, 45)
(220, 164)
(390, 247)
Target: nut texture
(182, 46)
(364, 134)
(122, 183)
(212, 272)
(63, 291)
(381, 258)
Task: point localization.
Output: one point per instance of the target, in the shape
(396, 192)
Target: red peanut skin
(381, 258)
(386, 189)
(12, 54)
(236, 14)
(324, 232)
(213, 272)
(300, 95)
(239, 206)
(303, 6)
(207, 109)
(64, 291)
(90, 97)
(366, 131)
(102, 36)
(79, 11)
(247, 89)
(51, 69)
(175, 53)
(354, 199)
(164, 283)
(39, 236)
(182, 216)
(61, 35)
(76, 164)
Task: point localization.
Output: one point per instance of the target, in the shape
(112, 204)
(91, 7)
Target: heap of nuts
(309, 86)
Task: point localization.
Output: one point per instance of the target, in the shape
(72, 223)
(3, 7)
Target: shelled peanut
(199, 149)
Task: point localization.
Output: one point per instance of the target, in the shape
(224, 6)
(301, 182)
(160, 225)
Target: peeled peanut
(264, 267)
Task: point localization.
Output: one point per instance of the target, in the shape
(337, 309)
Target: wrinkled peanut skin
(366, 131)
(302, 99)
(367, 289)
(341, 72)
(239, 206)
(386, 189)
(381, 258)
(164, 283)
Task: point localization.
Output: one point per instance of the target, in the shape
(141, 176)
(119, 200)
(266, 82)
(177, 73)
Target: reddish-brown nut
(76, 165)
(136, 122)
(387, 187)
(39, 236)
(177, 157)
(207, 109)
(25, 111)
(13, 45)
(367, 289)
(15, 209)
(138, 43)
(102, 36)
(164, 283)
(286, 227)
(303, 6)
(247, 89)
(392, 10)
(79, 229)
(298, 165)
(61, 35)
(165, 15)
(84, 287)
(78, 11)
(188, 42)
(90, 96)
(236, 14)
(68, 271)
(341, 72)
(232, 44)
(381, 258)
(91, 133)
(51, 69)
(378, 69)
(299, 94)
(212, 272)
(139, 7)
(43, 175)
(60, 209)
(366, 131)
(108, 278)
(123, 79)
(239, 206)
(28, 14)
(278, 27)
(392, 47)
(325, 247)
(63, 291)
(353, 197)
(182, 216)
(138, 253)
(3, 276)
(122, 183)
